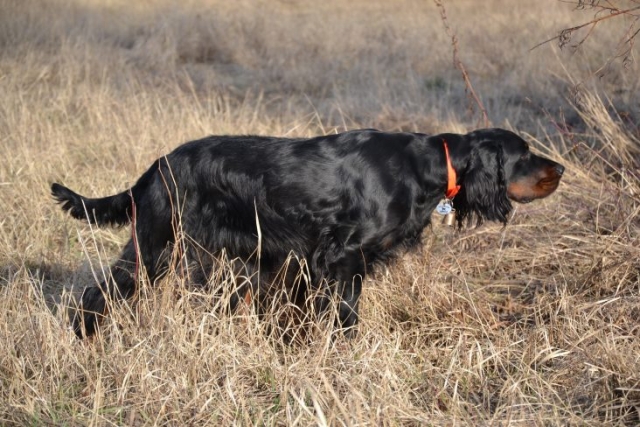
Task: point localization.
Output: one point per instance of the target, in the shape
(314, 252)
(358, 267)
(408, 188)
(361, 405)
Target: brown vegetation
(532, 324)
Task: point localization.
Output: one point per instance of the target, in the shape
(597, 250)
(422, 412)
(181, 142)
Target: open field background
(534, 324)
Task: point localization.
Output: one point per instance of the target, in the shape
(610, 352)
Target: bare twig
(460, 66)
(565, 35)
(602, 13)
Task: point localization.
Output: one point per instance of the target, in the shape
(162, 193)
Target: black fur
(342, 202)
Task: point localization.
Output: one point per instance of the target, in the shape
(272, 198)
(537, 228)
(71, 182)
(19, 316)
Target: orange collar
(452, 188)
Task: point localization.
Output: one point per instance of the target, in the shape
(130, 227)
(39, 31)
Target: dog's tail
(111, 210)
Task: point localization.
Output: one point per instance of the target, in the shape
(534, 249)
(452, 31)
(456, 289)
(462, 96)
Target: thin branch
(593, 27)
(460, 66)
(565, 34)
(626, 53)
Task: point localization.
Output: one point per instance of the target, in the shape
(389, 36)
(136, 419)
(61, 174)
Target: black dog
(341, 202)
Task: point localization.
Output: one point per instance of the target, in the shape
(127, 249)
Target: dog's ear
(483, 192)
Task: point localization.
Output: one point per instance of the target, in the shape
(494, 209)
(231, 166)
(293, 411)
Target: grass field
(533, 324)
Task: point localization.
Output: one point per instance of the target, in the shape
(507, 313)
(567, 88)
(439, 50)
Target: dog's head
(499, 169)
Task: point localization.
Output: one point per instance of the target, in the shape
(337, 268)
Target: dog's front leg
(349, 273)
(348, 309)
(343, 275)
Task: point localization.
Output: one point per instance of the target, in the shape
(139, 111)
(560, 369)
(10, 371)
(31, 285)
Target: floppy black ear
(483, 192)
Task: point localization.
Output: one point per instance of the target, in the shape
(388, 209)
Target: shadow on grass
(54, 282)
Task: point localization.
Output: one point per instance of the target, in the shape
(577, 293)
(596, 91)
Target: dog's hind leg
(120, 284)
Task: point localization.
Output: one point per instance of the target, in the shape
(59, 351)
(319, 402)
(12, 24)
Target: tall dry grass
(532, 324)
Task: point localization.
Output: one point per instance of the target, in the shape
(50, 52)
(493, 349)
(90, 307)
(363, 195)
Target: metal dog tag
(449, 219)
(445, 207)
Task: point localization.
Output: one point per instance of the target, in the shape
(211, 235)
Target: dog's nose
(560, 169)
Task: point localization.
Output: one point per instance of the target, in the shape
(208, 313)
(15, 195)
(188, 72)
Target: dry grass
(533, 324)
